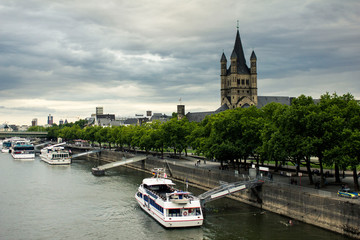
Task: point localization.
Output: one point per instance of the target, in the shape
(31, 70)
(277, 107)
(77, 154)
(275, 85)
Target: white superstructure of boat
(22, 149)
(6, 145)
(171, 207)
(55, 155)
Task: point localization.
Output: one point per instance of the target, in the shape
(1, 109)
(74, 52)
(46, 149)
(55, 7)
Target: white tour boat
(6, 145)
(9, 143)
(55, 155)
(172, 208)
(23, 150)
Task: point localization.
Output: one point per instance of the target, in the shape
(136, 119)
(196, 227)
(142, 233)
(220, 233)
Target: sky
(66, 57)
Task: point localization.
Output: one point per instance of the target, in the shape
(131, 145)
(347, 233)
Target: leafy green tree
(128, 133)
(157, 135)
(271, 148)
(249, 131)
(101, 136)
(36, 129)
(175, 134)
(297, 133)
(53, 132)
(221, 142)
(81, 123)
(145, 141)
(70, 133)
(89, 133)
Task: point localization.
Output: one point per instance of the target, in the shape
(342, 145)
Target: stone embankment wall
(332, 213)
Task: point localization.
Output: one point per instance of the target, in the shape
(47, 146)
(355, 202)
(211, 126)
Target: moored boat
(6, 145)
(55, 155)
(23, 151)
(171, 207)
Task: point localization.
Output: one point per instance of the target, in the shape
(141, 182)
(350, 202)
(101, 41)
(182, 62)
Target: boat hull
(169, 222)
(28, 156)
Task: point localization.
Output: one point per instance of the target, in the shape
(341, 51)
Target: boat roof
(180, 193)
(23, 145)
(157, 181)
(56, 145)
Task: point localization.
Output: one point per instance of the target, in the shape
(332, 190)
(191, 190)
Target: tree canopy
(328, 129)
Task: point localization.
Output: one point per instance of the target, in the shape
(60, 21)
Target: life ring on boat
(185, 213)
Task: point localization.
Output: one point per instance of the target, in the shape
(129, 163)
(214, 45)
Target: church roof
(223, 58)
(263, 100)
(239, 53)
(198, 116)
(253, 56)
(222, 108)
(233, 54)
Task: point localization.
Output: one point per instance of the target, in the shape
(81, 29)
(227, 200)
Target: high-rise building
(50, 120)
(99, 110)
(61, 122)
(34, 122)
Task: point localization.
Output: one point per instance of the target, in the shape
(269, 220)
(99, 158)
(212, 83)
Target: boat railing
(152, 193)
(194, 212)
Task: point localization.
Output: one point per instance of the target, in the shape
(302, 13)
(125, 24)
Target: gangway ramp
(228, 188)
(85, 153)
(100, 170)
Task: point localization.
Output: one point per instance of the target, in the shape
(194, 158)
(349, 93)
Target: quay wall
(318, 208)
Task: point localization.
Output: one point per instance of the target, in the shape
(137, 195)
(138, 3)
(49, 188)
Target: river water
(39, 201)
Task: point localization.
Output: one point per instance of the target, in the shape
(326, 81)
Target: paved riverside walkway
(303, 181)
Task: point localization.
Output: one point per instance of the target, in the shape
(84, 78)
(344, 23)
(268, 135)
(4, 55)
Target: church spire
(238, 49)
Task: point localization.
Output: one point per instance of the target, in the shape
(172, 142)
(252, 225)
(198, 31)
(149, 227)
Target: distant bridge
(24, 134)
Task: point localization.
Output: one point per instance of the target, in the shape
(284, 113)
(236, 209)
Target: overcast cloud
(65, 57)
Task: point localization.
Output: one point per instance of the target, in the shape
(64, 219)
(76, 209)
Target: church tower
(238, 82)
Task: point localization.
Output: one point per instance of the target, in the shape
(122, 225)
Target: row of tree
(327, 130)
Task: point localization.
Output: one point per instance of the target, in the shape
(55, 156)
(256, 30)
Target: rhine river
(39, 201)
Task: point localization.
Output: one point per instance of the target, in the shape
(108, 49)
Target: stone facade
(238, 81)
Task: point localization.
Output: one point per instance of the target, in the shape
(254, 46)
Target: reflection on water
(39, 201)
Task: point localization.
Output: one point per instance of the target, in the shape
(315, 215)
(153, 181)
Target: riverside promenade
(280, 177)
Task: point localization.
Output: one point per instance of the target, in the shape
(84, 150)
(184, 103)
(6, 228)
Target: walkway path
(277, 177)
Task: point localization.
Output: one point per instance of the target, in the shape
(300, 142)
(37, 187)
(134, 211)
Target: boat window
(197, 211)
(156, 206)
(154, 188)
(140, 194)
(174, 212)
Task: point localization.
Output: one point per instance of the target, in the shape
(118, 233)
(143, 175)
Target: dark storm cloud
(79, 54)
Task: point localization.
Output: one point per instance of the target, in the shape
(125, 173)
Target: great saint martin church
(239, 87)
(238, 81)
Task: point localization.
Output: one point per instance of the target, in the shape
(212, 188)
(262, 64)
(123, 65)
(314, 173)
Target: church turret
(253, 63)
(233, 59)
(223, 68)
(253, 73)
(223, 63)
